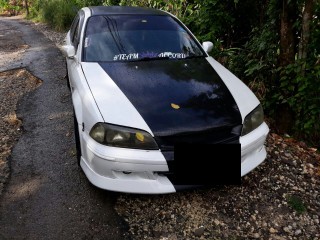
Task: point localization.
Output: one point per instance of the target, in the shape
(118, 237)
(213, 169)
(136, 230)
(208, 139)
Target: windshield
(137, 37)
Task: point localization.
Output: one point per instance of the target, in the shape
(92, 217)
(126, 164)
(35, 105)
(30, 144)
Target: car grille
(221, 135)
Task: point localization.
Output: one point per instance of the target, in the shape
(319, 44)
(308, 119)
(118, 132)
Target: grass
(296, 203)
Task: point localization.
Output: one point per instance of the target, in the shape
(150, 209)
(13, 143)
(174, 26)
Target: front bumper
(253, 151)
(124, 170)
(137, 171)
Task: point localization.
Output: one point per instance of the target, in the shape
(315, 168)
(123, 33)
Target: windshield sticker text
(126, 56)
(172, 55)
(148, 55)
(137, 56)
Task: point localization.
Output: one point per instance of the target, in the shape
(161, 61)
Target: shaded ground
(13, 85)
(45, 196)
(12, 45)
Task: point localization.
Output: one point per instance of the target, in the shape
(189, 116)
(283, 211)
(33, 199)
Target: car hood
(172, 96)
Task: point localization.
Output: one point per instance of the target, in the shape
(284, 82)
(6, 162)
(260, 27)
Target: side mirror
(68, 51)
(207, 46)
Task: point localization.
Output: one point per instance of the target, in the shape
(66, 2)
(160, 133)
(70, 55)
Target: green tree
(282, 58)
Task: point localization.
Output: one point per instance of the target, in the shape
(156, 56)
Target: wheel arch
(77, 106)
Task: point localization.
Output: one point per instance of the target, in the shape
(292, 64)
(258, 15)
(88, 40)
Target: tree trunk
(284, 114)
(12, 10)
(305, 31)
(287, 40)
(26, 6)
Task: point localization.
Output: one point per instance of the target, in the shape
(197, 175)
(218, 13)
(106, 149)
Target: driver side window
(74, 32)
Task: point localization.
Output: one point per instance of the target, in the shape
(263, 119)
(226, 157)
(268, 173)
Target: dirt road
(46, 196)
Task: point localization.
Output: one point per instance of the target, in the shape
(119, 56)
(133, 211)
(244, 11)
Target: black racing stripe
(152, 86)
(207, 114)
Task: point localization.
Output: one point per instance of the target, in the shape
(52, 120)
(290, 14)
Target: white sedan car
(142, 85)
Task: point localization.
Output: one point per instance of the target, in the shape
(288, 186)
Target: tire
(68, 83)
(67, 77)
(77, 139)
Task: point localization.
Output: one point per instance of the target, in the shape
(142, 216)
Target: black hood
(204, 103)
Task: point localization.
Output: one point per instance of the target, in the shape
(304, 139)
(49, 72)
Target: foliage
(4, 4)
(11, 9)
(180, 8)
(111, 2)
(34, 10)
(84, 3)
(255, 62)
(296, 203)
(295, 85)
(303, 96)
(58, 13)
(246, 37)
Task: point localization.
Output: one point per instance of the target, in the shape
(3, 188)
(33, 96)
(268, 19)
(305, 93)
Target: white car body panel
(139, 183)
(243, 96)
(124, 170)
(253, 150)
(111, 100)
(96, 98)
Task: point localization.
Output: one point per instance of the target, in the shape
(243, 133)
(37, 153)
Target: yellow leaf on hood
(175, 106)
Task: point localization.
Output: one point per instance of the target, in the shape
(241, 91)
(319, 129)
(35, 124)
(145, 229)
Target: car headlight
(118, 136)
(253, 120)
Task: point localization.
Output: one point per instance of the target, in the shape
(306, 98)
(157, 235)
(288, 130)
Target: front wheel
(68, 82)
(77, 138)
(67, 77)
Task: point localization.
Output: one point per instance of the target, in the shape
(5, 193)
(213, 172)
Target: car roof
(125, 10)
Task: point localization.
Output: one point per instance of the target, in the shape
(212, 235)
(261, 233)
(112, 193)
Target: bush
(58, 13)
